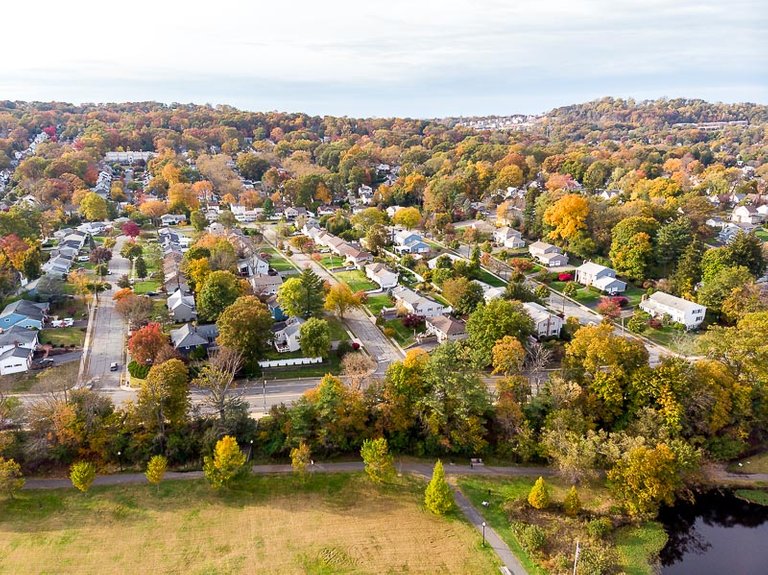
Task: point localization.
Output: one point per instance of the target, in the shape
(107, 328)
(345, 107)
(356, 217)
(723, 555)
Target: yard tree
(538, 497)
(146, 342)
(131, 250)
(315, 337)
(82, 475)
(376, 238)
(197, 271)
(379, 464)
(367, 218)
(226, 464)
(217, 377)
(340, 298)
(153, 209)
(244, 327)
(131, 229)
(508, 356)
(747, 250)
(140, 267)
(80, 281)
(744, 299)
(252, 166)
(198, 220)
(719, 287)
(302, 243)
(302, 296)
(156, 468)
(227, 219)
(688, 271)
(93, 207)
(463, 294)
(644, 478)
(571, 289)
(164, 395)
(438, 497)
(409, 217)
(492, 321)
(100, 255)
(11, 479)
(136, 309)
(508, 176)
(356, 366)
(572, 503)
(567, 216)
(608, 308)
(671, 241)
(301, 458)
(220, 290)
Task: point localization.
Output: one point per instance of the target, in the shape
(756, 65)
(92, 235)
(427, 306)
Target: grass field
(356, 280)
(331, 261)
(762, 233)
(146, 286)
(63, 336)
(403, 335)
(41, 381)
(331, 523)
(277, 261)
(636, 545)
(754, 464)
(378, 302)
(488, 278)
(337, 329)
(754, 495)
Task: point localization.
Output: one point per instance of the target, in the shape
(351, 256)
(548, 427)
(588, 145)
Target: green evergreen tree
(572, 503)
(378, 461)
(141, 267)
(82, 474)
(438, 497)
(539, 494)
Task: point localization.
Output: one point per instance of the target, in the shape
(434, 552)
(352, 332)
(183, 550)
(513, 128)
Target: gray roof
(20, 352)
(675, 302)
(189, 335)
(27, 308)
(16, 335)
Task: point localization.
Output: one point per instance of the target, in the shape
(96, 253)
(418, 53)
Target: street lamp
(483, 533)
(119, 460)
(250, 451)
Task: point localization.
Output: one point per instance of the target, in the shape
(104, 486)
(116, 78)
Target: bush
(620, 300)
(565, 277)
(343, 348)
(597, 560)
(412, 321)
(655, 323)
(138, 370)
(572, 503)
(389, 331)
(599, 528)
(532, 537)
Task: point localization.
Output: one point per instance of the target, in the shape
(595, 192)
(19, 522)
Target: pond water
(719, 534)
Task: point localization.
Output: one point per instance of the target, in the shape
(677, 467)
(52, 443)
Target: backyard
(146, 286)
(277, 261)
(332, 523)
(63, 336)
(356, 280)
(375, 303)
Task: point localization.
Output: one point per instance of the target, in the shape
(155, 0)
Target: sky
(416, 58)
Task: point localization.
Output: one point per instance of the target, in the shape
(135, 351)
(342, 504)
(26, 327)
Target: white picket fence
(290, 362)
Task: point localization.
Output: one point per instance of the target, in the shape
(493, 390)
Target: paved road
(107, 343)
(358, 321)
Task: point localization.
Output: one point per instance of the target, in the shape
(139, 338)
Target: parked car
(114, 366)
(45, 362)
(66, 322)
(82, 258)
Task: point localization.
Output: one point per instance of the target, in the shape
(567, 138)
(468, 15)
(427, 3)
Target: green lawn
(762, 233)
(754, 496)
(356, 280)
(337, 329)
(674, 339)
(63, 336)
(75, 308)
(637, 546)
(146, 286)
(754, 464)
(634, 295)
(321, 524)
(376, 303)
(403, 335)
(331, 261)
(488, 278)
(277, 261)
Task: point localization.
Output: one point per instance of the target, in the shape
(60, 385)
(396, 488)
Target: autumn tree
(463, 294)
(491, 322)
(136, 309)
(227, 463)
(379, 464)
(220, 290)
(131, 250)
(538, 496)
(315, 337)
(198, 220)
(302, 296)
(154, 209)
(244, 327)
(93, 207)
(567, 216)
(409, 217)
(508, 356)
(11, 478)
(131, 229)
(156, 468)
(438, 497)
(217, 378)
(146, 342)
(356, 367)
(572, 503)
(301, 459)
(82, 474)
(340, 298)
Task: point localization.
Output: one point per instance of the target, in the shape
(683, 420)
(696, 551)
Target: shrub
(438, 497)
(532, 537)
(572, 503)
(138, 370)
(655, 323)
(343, 348)
(620, 300)
(413, 321)
(597, 560)
(599, 528)
(355, 346)
(565, 277)
(389, 331)
(539, 494)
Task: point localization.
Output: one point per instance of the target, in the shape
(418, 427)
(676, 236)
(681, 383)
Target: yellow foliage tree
(568, 217)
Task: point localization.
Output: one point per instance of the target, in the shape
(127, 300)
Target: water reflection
(719, 533)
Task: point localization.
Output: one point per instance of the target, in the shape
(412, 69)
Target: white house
(680, 310)
(600, 277)
(417, 304)
(17, 346)
(409, 242)
(490, 292)
(265, 284)
(252, 266)
(181, 307)
(172, 219)
(508, 237)
(382, 275)
(432, 264)
(746, 215)
(287, 338)
(446, 328)
(547, 324)
(547, 254)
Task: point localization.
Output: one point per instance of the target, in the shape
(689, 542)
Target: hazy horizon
(389, 59)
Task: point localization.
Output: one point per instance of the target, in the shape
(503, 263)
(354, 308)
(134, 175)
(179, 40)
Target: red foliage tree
(147, 342)
(131, 229)
(609, 308)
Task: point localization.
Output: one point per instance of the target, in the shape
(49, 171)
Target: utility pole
(264, 390)
(576, 556)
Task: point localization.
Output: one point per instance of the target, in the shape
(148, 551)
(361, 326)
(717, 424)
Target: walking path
(718, 473)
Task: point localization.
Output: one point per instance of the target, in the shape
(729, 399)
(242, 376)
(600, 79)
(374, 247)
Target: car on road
(114, 366)
(46, 362)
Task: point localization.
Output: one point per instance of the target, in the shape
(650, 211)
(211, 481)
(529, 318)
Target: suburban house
(172, 219)
(680, 310)
(746, 215)
(417, 304)
(176, 281)
(24, 313)
(547, 324)
(244, 215)
(382, 275)
(251, 266)
(547, 254)
(490, 292)
(432, 264)
(287, 336)
(508, 237)
(58, 265)
(181, 307)
(189, 337)
(600, 277)
(274, 308)
(17, 346)
(265, 284)
(446, 328)
(408, 242)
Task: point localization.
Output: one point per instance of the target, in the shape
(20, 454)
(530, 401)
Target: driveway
(108, 332)
(358, 321)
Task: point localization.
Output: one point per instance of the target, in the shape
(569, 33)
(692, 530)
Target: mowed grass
(375, 303)
(146, 286)
(277, 261)
(356, 280)
(335, 523)
(63, 336)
